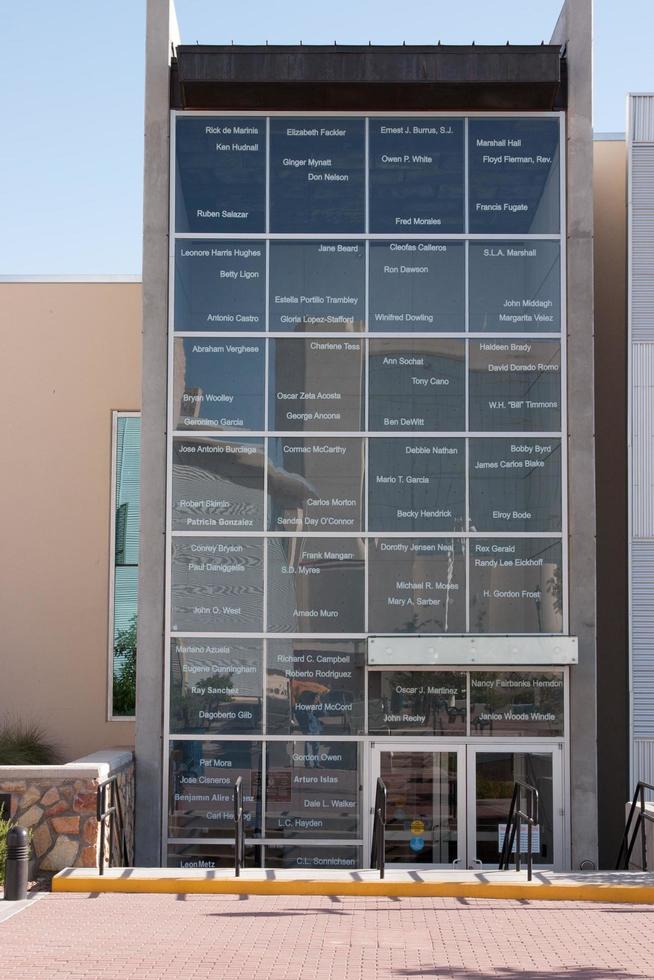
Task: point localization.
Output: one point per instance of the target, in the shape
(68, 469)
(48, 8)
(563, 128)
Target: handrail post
(643, 830)
(239, 840)
(518, 842)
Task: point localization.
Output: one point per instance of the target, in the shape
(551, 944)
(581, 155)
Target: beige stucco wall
(69, 354)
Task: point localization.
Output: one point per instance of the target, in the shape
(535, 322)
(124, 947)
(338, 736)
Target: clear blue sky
(72, 113)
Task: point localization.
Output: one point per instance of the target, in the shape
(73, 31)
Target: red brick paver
(198, 937)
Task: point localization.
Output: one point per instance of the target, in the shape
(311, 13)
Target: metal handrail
(114, 816)
(513, 826)
(628, 841)
(378, 849)
(239, 835)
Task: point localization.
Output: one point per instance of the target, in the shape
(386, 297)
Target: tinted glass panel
(514, 175)
(220, 285)
(315, 688)
(210, 856)
(315, 484)
(419, 702)
(416, 485)
(316, 385)
(315, 585)
(317, 286)
(217, 484)
(515, 484)
(417, 286)
(218, 384)
(216, 686)
(203, 775)
(416, 385)
(312, 789)
(221, 174)
(416, 585)
(496, 773)
(217, 585)
(313, 857)
(515, 385)
(416, 175)
(516, 585)
(516, 703)
(317, 175)
(515, 286)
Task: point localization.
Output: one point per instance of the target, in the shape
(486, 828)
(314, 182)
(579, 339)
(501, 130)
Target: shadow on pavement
(508, 973)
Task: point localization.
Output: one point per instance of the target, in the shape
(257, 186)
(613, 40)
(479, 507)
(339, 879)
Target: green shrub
(26, 744)
(4, 830)
(124, 699)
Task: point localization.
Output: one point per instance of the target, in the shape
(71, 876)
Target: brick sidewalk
(206, 937)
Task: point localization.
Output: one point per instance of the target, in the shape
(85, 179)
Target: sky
(71, 154)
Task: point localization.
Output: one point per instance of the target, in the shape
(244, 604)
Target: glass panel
(421, 806)
(202, 779)
(515, 286)
(220, 285)
(210, 856)
(315, 585)
(313, 857)
(419, 702)
(317, 175)
(221, 174)
(217, 585)
(216, 686)
(514, 176)
(416, 485)
(315, 687)
(317, 286)
(515, 385)
(218, 384)
(217, 484)
(126, 482)
(516, 585)
(416, 385)
(495, 776)
(516, 703)
(417, 286)
(316, 385)
(312, 789)
(515, 485)
(315, 484)
(416, 585)
(416, 175)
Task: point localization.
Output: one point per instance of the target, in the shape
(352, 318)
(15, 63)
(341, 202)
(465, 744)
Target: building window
(125, 492)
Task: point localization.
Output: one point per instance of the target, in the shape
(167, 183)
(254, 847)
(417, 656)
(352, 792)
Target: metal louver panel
(642, 408)
(642, 243)
(642, 118)
(643, 760)
(642, 638)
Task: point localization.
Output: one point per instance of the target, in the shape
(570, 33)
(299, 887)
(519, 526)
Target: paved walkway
(210, 937)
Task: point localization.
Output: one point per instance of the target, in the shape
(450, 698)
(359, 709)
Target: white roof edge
(69, 278)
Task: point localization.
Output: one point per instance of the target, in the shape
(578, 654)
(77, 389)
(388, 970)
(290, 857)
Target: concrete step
(582, 886)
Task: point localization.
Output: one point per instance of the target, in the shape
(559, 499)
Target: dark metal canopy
(503, 78)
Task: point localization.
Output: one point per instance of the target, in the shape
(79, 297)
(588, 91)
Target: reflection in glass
(416, 585)
(317, 286)
(417, 286)
(416, 485)
(217, 585)
(312, 789)
(515, 484)
(217, 484)
(515, 385)
(216, 686)
(202, 777)
(300, 856)
(417, 385)
(316, 385)
(496, 773)
(315, 484)
(514, 175)
(220, 174)
(315, 585)
(416, 175)
(218, 384)
(125, 557)
(208, 856)
(515, 286)
(421, 807)
(418, 702)
(516, 703)
(315, 687)
(220, 285)
(317, 175)
(516, 585)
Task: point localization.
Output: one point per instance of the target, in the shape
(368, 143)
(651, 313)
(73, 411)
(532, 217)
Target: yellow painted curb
(535, 891)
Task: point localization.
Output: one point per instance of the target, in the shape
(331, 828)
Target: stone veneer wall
(58, 805)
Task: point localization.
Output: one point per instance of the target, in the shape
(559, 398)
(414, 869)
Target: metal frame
(365, 336)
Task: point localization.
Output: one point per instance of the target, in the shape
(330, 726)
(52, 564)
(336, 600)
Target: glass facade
(367, 437)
